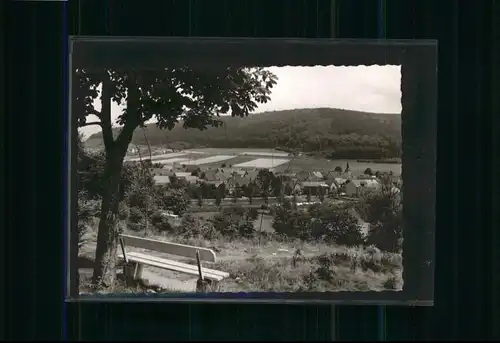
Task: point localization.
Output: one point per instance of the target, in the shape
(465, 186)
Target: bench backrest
(169, 248)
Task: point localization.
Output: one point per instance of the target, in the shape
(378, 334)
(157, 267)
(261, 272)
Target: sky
(361, 88)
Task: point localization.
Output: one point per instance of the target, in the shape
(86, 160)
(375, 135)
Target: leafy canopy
(179, 95)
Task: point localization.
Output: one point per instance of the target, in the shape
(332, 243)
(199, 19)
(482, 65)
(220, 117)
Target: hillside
(333, 132)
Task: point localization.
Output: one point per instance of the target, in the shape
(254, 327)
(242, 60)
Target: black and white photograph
(239, 179)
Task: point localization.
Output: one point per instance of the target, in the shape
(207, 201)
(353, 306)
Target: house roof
(191, 167)
(161, 179)
(314, 184)
(303, 175)
(365, 183)
(182, 174)
(191, 178)
(317, 174)
(227, 171)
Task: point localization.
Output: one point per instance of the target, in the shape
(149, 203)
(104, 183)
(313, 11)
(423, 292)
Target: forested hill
(334, 132)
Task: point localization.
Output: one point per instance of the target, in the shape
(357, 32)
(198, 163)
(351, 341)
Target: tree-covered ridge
(335, 132)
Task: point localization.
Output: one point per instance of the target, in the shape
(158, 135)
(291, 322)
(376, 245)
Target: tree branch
(95, 112)
(91, 123)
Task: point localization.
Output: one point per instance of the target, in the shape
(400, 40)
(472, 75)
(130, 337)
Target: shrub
(136, 215)
(291, 223)
(387, 235)
(390, 283)
(223, 225)
(172, 199)
(87, 209)
(161, 222)
(344, 229)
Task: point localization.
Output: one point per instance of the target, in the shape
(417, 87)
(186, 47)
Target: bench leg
(201, 286)
(204, 286)
(132, 273)
(138, 271)
(128, 273)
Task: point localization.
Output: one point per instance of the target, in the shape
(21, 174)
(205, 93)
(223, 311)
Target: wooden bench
(135, 261)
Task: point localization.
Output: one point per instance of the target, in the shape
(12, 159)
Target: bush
(161, 222)
(344, 229)
(291, 223)
(136, 215)
(387, 235)
(320, 222)
(87, 209)
(172, 199)
(223, 225)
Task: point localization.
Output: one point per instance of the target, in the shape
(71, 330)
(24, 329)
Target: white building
(355, 188)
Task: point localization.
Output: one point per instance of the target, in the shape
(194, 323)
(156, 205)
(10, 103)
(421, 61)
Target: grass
(292, 265)
(275, 263)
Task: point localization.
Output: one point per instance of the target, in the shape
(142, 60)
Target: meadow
(266, 158)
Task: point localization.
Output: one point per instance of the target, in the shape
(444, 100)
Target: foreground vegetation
(317, 248)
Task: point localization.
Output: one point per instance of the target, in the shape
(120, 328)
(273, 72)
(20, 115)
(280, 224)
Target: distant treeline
(333, 133)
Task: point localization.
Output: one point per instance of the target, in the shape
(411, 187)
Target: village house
(356, 188)
(316, 176)
(210, 175)
(252, 174)
(236, 181)
(162, 172)
(366, 177)
(185, 178)
(285, 176)
(303, 175)
(132, 150)
(161, 180)
(191, 168)
(330, 175)
(333, 188)
(314, 187)
(313, 176)
(339, 181)
(292, 187)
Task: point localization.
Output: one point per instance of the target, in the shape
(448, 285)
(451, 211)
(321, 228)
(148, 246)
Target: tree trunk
(107, 237)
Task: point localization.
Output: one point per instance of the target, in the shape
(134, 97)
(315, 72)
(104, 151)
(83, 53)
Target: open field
(162, 156)
(214, 158)
(265, 163)
(209, 160)
(270, 154)
(172, 160)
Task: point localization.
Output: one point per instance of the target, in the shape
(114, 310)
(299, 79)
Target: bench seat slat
(169, 247)
(176, 263)
(159, 262)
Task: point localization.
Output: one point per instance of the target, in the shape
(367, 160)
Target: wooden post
(200, 283)
(122, 244)
(198, 262)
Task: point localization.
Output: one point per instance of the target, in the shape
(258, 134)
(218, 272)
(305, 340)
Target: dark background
(467, 268)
